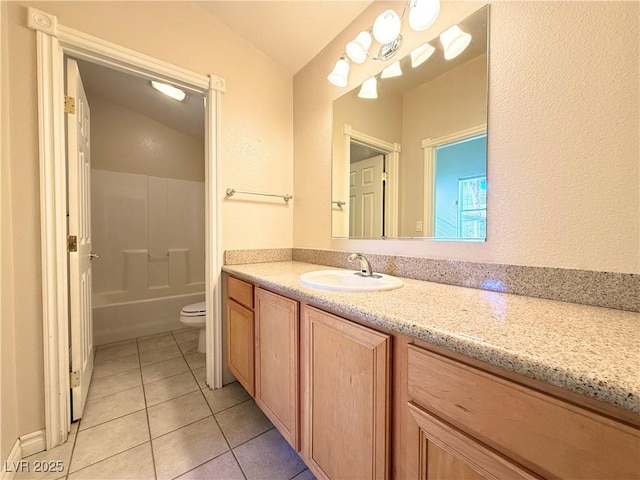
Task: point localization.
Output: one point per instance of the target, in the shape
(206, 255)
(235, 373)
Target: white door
(79, 182)
(365, 197)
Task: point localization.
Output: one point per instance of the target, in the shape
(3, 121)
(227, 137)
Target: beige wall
(125, 141)
(256, 144)
(8, 370)
(563, 163)
(454, 101)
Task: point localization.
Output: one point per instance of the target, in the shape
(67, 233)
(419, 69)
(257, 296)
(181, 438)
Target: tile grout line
(146, 411)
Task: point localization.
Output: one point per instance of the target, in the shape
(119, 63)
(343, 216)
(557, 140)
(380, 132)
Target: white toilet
(194, 315)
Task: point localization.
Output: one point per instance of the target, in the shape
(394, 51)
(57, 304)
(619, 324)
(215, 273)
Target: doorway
(144, 211)
(54, 42)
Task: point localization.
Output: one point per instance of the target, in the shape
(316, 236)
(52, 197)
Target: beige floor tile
(243, 422)
(186, 335)
(115, 344)
(101, 387)
(116, 366)
(188, 347)
(174, 414)
(226, 397)
(134, 464)
(201, 377)
(196, 360)
(223, 467)
(117, 351)
(182, 450)
(164, 340)
(168, 368)
(108, 439)
(74, 428)
(56, 461)
(160, 354)
(154, 335)
(168, 388)
(103, 409)
(269, 457)
(305, 475)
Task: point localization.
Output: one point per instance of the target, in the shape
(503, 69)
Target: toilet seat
(194, 310)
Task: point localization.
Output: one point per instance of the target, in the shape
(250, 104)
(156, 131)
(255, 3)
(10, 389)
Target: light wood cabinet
(277, 362)
(346, 370)
(241, 332)
(490, 424)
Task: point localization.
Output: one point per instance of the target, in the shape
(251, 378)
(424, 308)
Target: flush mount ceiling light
(169, 90)
(421, 54)
(454, 41)
(386, 31)
(392, 70)
(369, 88)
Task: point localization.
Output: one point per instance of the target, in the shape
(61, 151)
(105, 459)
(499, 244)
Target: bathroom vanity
(434, 381)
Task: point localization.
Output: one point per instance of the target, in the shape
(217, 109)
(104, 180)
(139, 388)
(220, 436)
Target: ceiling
(290, 32)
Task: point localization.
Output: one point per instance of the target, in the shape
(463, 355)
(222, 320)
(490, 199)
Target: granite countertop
(588, 350)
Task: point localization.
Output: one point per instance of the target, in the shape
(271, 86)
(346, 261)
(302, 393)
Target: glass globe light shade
(357, 49)
(454, 41)
(422, 13)
(340, 72)
(392, 70)
(421, 54)
(369, 88)
(387, 27)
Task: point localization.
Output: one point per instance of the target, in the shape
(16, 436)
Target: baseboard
(25, 445)
(33, 443)
(12, 464)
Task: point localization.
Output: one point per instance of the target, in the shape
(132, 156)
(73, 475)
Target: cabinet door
(277, 347)
(240, 343)
(446, 453)
(346, 387)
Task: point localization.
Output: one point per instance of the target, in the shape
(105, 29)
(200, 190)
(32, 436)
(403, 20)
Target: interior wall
(256, 142)
(8, 367)
(125, 141)
(563, 163)
(454, 101)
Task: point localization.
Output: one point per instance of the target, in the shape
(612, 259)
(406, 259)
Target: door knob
(93, 255)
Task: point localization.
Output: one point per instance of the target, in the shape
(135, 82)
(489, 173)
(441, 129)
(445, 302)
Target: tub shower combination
(150, 234)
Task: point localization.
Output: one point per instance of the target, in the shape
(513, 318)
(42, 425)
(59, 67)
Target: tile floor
(149, 415)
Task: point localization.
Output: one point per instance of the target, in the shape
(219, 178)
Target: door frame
(429, 146)
(392, 150)
(54, 41)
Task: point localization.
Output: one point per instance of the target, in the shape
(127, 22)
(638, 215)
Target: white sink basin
(349, 281)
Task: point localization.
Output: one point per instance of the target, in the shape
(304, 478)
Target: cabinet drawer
(549, 436)
(241, 292)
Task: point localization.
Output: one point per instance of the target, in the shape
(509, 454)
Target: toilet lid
(194, 310)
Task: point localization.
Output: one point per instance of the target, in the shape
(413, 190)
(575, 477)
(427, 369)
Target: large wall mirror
(412, 163)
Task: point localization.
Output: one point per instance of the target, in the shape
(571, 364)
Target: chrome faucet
(365, 266)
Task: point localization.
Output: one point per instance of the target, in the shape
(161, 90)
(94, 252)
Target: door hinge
(74, 378)
(69, 105)
(72, 243)
(384, 176)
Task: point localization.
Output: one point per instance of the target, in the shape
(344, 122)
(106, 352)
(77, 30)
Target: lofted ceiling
(290, 32)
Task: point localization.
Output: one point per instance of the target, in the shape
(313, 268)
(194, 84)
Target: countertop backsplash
(601, 289)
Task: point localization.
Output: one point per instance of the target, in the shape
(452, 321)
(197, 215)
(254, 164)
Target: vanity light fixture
(340, 72)
(392, 70)
(454, 41)
(386, 31)
(369, 88)
(169, 90)
(421, 54)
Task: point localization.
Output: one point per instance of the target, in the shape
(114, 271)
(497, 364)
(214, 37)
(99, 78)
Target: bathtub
(114, 321)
